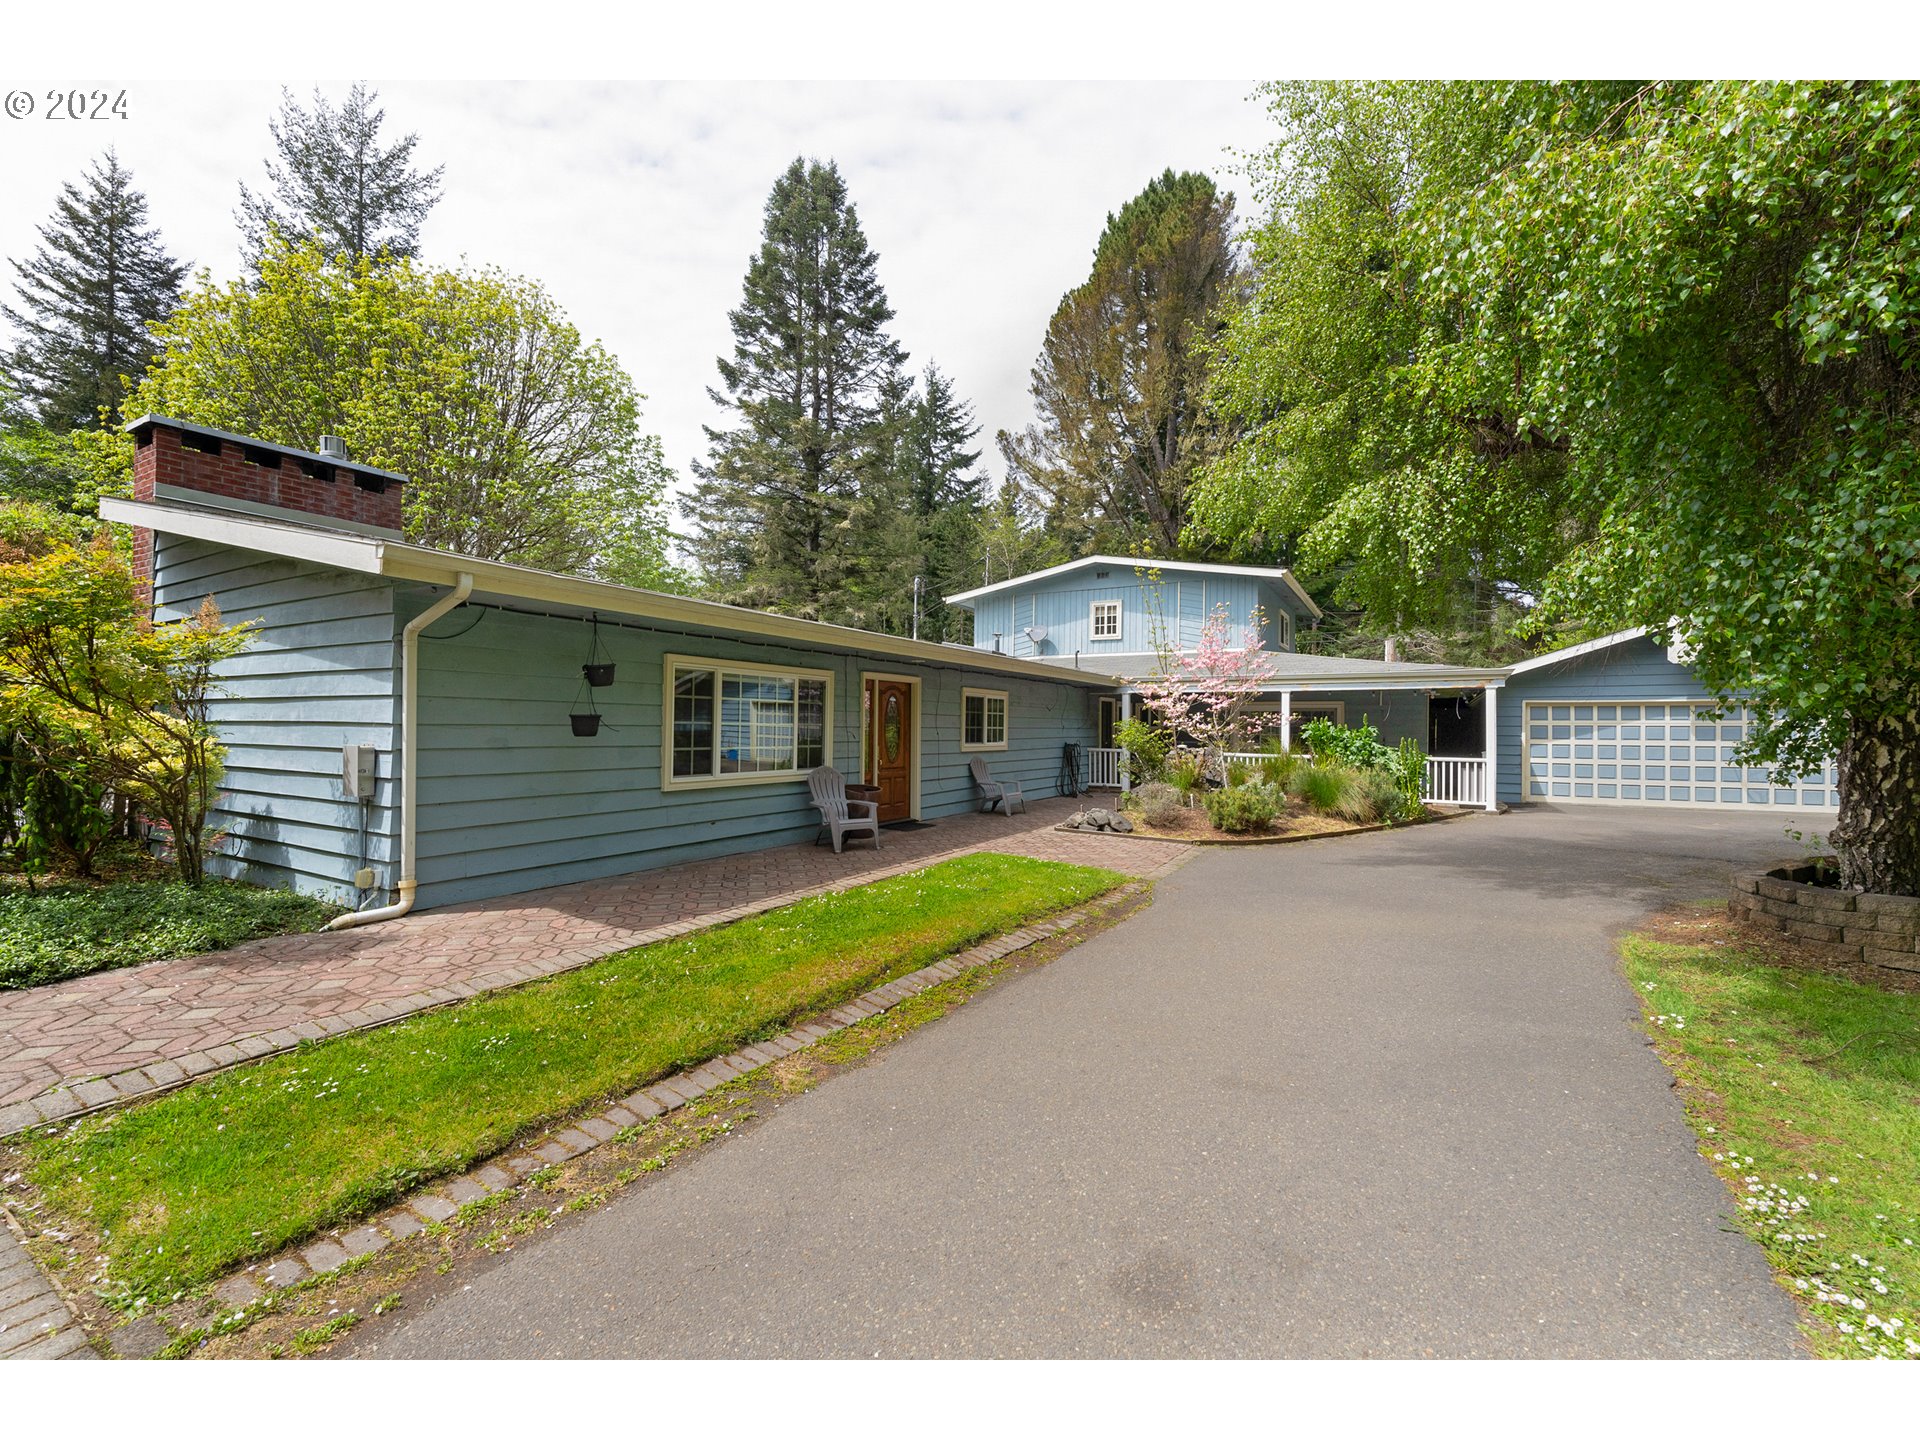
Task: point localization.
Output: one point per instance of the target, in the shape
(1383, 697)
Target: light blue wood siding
(1062, 605)
(320, 674)
(1396, 714)
(1632, 670)
(510, 800)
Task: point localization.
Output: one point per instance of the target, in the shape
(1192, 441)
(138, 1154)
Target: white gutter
(409, 754)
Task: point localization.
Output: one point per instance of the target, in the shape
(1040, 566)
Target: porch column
(1286, 722)
(1126, 714)
(1492, 707)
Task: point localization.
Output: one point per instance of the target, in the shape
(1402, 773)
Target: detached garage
(1619, 721)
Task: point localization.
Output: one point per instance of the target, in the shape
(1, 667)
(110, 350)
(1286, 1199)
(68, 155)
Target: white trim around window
(993, 712)
(1104, 620)
(731, 722)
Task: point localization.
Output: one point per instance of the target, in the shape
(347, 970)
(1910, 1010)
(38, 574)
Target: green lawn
(56, 932)
(1805, 1090)
(184, 1188)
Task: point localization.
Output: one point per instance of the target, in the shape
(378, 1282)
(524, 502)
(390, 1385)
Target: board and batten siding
(1063, 606)
(318, 676)
(1633, 670)
(510, 800)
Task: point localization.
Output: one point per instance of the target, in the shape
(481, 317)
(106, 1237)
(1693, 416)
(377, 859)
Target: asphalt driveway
(1380, 1096)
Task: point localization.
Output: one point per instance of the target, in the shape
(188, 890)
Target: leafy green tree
(1405, 491)
(98, 279)
(1721, 291)
(99, 701)
(1119, 385)
(334, 180)
(807, 385)
(520, 438)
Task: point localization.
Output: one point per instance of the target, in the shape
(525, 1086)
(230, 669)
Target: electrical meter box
(356, 770)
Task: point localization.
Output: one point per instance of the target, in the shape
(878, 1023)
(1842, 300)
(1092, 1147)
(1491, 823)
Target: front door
(893, 749)
(1109, 719)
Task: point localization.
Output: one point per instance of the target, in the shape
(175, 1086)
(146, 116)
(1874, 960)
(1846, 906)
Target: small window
(1106, 619)
(983, 719)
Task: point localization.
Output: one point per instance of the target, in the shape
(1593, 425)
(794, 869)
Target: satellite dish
(1037, 634)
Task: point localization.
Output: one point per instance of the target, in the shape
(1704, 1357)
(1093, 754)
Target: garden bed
(1194, 828)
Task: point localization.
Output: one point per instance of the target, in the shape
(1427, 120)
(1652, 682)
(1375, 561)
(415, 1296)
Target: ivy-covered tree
(773, 512)
(521, 438)
(334, 180)
(1120, 384)
(97, 281)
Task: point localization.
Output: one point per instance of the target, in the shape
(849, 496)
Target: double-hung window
(734, 724)
(983, 719)
(1106, 619)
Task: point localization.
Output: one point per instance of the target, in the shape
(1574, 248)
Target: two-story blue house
(1113, 616)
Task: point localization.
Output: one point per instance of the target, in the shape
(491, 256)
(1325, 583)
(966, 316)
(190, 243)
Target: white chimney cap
(333, 447)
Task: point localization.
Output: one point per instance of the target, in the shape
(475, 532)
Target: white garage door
(1653, 753)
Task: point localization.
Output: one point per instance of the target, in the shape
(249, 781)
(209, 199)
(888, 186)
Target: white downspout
(409, 754)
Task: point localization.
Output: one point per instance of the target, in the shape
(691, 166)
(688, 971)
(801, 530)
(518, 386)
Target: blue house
(401, 728)
(1115, 615)
(1619, 721)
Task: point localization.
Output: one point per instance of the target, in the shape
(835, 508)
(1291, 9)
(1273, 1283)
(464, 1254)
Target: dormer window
(1106, 619)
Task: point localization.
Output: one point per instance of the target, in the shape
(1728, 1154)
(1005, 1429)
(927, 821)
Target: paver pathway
(1377, 1096)
(144, 1025)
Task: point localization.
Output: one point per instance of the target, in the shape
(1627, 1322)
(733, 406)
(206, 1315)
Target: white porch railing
(1103, 767)
(1455, 780)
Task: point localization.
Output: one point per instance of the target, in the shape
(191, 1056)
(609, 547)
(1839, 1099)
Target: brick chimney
(200, 466)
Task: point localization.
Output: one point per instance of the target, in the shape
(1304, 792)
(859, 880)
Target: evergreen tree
(99, 278)
(946, 494)
(1120, 382)
(336, 181)
(777, 504)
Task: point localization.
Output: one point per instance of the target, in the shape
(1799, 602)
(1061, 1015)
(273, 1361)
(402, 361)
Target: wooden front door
(892, 739)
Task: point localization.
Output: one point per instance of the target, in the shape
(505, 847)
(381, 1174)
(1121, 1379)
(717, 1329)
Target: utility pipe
(409, 754)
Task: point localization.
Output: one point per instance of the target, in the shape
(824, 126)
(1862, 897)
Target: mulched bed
(1715, 928)
(1295, 823)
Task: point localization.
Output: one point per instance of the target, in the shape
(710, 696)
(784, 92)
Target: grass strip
(1805, 1090)
(56, 932)
(183, 1188)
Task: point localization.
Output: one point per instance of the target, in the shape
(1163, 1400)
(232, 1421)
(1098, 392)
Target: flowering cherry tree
(1203, 693)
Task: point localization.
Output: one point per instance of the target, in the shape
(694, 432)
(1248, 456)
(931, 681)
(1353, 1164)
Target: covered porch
(1449, 711)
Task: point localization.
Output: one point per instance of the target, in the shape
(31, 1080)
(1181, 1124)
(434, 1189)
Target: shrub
(1187, 772)
(1239, 772)
(1158, 803)
(1409, 770)
(1277, 768)
(1332, 790)
(1241, 809)
(1146, 748)
(1357, 747)
(1384, 798)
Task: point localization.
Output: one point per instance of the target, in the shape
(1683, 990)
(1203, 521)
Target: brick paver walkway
(69, 1047)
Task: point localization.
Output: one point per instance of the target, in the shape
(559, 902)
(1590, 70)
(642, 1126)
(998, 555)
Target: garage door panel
(1654, 753)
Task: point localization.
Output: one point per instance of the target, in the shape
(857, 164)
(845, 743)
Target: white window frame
(1006, 718)
(675, 665)
(1093, 625)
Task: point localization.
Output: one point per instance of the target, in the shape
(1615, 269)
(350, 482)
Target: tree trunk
(1877, 837)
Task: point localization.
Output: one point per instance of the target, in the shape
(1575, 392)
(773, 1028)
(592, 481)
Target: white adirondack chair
(829, 790)
(1003, 795)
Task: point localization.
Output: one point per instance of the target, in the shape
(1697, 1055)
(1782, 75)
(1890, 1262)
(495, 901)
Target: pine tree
(335, 180)
(99, 278)
(946, 494)
(775, 509)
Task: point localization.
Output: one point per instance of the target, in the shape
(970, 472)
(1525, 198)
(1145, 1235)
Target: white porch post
(1492, 692)
(1126, 714)
(1286, 721)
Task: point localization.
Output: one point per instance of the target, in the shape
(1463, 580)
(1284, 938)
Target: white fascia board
(1572, 652)
(435, 567)
(966, 598)
(333, 548)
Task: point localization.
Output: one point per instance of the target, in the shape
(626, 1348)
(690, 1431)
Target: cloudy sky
(639, 203)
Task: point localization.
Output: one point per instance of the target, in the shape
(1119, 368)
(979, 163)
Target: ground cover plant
(1805, 1091)
(55, 932)
(186, 1187)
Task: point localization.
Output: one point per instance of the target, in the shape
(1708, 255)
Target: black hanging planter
(586, 724)
(598, 669)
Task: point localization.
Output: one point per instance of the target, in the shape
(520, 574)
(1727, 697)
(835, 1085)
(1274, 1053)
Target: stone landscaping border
(440, 1201)
(1876, 929)
(35, 1323)
(109, 1092)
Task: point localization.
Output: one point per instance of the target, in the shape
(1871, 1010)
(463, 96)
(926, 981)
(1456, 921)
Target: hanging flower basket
(598, 669)
(585, 724)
